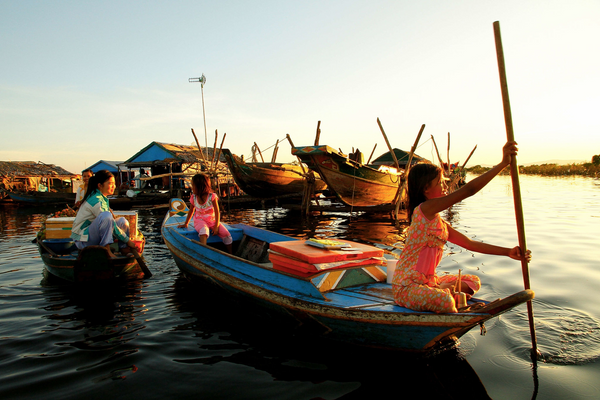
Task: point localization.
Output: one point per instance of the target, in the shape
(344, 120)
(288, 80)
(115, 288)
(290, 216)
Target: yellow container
(59, 228)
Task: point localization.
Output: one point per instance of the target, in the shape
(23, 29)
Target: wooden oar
(142, 264)
(514, 173)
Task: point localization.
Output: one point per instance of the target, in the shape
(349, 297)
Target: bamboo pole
(514, 173)
(388, 145)
(468, 158)
(414, 148)
(212, 161)
(274, 157)
(401, 189)
(373, 151)
(259, 153)
(448, 153)
(199, 148)
(438, 153)
(220, 149)
(289, 138)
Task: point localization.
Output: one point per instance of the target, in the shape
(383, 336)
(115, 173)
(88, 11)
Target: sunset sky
(82, 81)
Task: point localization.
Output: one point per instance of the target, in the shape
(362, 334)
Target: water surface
(164, 337)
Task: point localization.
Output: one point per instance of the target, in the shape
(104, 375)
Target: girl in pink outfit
(415, 283)
(205, 210)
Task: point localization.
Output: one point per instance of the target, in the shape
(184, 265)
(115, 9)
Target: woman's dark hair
(87, 170)
(418, 178)
(202, 184)
(97, 179)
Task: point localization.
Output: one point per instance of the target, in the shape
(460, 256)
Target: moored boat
(270, 179)
(355, 183)
(336, 289)
(42, 198)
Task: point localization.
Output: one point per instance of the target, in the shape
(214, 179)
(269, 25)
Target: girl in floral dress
(415, 283)
(205, 210)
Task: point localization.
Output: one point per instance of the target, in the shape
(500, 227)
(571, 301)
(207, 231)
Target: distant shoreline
(549, 169)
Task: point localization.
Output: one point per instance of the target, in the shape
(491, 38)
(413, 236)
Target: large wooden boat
(42, 198)
(355, 183)
(264, 180)
(341, 294)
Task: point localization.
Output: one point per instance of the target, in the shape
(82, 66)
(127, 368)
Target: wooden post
(514, 173)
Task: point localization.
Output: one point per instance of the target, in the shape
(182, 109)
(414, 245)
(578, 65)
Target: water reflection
(230, 331)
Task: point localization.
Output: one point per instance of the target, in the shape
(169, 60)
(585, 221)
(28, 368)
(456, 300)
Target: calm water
(163, 337)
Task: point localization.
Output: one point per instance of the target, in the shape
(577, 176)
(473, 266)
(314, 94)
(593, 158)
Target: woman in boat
(205, 210)
(95, 224)
(415, 283)
(85, 176)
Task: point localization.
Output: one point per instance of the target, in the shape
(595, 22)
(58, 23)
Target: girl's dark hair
(98, 178)
(202, 184)
(418, 178)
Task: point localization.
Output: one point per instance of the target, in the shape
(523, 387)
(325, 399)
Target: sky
(83, 81)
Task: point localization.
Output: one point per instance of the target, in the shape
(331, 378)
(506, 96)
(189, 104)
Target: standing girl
(415, 283)
(205, 210)
(95, 223)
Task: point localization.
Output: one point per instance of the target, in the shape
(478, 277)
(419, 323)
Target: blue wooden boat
(347, 299)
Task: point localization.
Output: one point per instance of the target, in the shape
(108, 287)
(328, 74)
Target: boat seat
(190, 233)
(253, 249)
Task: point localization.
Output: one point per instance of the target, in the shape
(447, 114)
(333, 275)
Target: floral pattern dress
(414, 283)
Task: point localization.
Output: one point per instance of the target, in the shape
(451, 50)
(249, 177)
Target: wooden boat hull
(353, 183)
(352, 305)
(264, 180)
(91, 264)
(139, 201)
(42, 198)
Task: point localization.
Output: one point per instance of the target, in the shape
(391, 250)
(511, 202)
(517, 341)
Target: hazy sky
(82, 81)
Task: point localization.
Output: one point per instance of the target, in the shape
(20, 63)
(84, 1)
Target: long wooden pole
(468, 158)
(414, 148)
(388, 145)
(318, 134)
(220, 149)
(448, 153)
(199, 148)
(438, 153)
(514, 173)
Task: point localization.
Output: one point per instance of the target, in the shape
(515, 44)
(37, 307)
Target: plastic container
(391, 267)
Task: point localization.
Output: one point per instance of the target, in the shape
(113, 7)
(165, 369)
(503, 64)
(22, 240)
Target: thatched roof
(28, 169)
